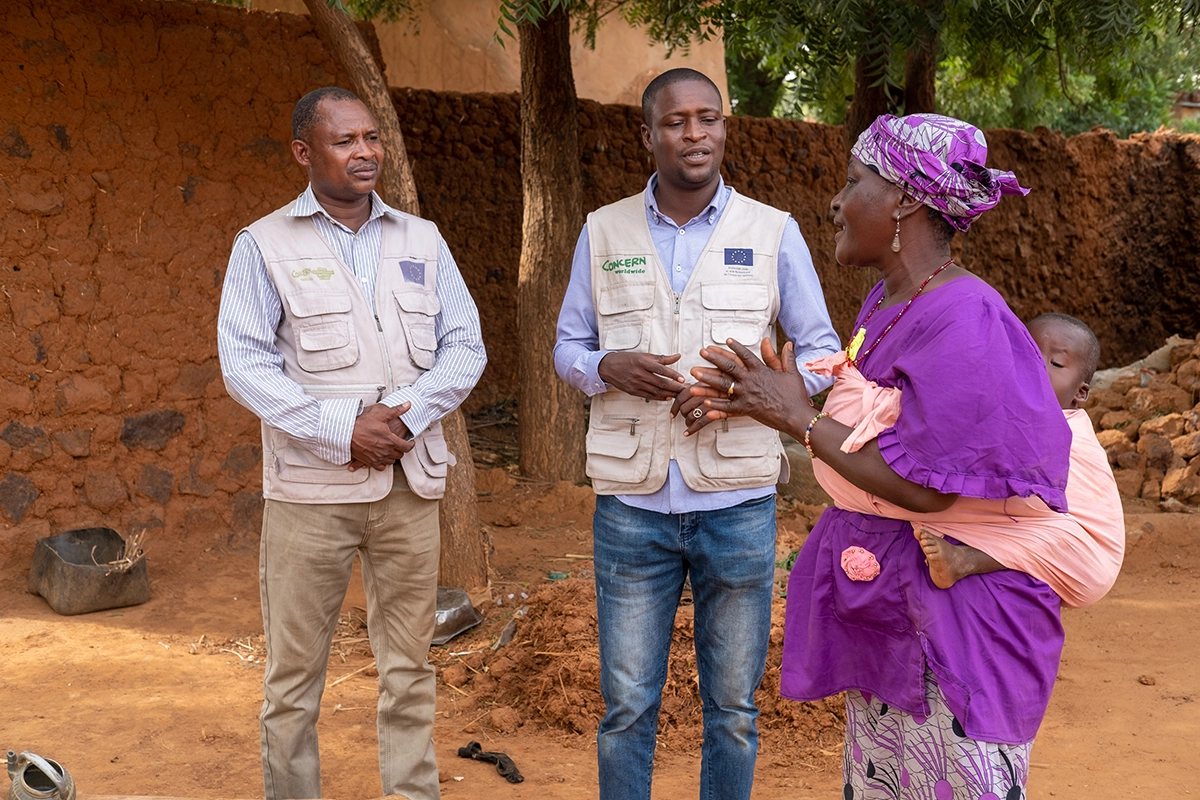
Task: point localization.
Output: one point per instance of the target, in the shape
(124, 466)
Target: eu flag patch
(739, 256)
(413, 271)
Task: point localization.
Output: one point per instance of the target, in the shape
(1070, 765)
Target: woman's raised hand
(769, 390)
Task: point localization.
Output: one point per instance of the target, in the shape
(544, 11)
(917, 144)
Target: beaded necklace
(852, 354)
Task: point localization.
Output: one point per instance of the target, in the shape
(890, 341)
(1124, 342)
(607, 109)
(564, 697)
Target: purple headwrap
(938, 161)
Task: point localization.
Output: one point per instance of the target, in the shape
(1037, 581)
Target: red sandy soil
(162, 699)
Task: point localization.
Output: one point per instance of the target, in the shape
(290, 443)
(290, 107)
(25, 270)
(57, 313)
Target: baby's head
(1071, 353)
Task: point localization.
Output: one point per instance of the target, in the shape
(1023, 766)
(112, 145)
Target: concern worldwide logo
(634, 265)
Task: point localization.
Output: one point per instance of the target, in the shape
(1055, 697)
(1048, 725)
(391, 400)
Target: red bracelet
(808, 434)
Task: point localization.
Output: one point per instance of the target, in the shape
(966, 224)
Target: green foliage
(1065, 64)
(789, 561)
(675, 23)
(1126, 89)
(754, 91)
(787, 564)
(1069, 65)
(387, 10)
(528, 12)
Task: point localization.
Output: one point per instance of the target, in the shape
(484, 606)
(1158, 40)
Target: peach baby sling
(1077, 553)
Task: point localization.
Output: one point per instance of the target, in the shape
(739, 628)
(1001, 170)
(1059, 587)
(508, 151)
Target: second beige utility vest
(733, 292)
(334, 345)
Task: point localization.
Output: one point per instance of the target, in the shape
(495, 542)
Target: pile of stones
(1148, 422)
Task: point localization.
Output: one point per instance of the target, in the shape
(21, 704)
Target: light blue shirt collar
(710, 214)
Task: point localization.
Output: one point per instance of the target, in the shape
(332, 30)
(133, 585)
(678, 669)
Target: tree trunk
(339, 33)
(464, 548)
(756, 90)
(464, 560)
(872, 94)
(551, 413)
(920, 70)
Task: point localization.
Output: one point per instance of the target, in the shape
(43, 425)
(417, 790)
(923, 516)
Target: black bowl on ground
(82, 570)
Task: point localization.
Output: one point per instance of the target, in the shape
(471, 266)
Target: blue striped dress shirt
(251, 312)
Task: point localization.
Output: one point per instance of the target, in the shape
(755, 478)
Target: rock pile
(1149, 424)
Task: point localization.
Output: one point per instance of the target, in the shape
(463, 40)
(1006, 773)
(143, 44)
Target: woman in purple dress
(945, 688)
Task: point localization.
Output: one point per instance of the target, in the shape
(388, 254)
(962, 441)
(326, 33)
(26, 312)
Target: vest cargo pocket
(325, 346)
(623, 317)
(736, 311)
(295, 463)
(743, 449)
(418, 310)
(618, 455)
(622, 337)
(433, 455)
(745, 331)
(325, 338)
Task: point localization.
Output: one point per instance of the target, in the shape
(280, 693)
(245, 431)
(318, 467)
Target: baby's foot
(946, 562)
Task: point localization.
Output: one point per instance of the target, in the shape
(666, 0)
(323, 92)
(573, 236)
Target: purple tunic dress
(979, 418)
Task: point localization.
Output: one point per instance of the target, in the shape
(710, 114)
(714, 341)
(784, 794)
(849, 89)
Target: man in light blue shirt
(689, 510)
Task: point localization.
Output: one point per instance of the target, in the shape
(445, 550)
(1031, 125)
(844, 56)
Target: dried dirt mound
(550, 675)
(1149, 424)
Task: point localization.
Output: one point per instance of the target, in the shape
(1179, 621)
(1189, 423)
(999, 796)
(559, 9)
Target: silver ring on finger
(698, 413)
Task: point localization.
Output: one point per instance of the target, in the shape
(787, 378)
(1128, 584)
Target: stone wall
(137, 137)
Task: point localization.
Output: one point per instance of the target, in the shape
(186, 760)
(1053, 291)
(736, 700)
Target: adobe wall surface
(137, 137)
(452, 45)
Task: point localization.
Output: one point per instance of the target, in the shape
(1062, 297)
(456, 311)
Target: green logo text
(635, 265)
(308, 273)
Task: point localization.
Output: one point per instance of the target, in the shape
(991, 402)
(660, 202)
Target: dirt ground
(162, 699)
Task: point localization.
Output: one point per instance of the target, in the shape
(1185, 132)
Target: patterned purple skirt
(891, 754)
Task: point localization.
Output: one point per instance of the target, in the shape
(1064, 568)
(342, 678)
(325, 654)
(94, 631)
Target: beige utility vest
(335, 346)
(733, 292)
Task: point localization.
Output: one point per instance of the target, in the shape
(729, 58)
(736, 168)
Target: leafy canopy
(1068, 64)
(1065, 64)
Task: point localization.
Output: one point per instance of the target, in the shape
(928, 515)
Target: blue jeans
(642, 559)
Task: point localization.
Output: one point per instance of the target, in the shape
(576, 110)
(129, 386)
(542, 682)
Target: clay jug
(37, 778)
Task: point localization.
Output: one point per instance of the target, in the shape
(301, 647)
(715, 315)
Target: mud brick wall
(135, 140)
(138, 136)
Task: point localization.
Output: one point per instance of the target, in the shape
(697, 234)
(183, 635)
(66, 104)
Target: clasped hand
(647, 375)
(770, 390)
(378, 440)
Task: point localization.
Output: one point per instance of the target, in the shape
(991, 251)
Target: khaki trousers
(305, 559)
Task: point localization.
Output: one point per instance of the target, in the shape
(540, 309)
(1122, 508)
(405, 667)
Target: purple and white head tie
(938, 161)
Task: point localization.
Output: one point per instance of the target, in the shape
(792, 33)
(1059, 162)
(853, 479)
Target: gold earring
(896, 238)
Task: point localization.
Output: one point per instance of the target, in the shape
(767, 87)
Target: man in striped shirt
(346, 327)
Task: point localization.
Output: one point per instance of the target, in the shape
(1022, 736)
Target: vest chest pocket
(321, 325)
(418, 312)
(741, 449)
(622, 316)
(736, 311)
(618, 451)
